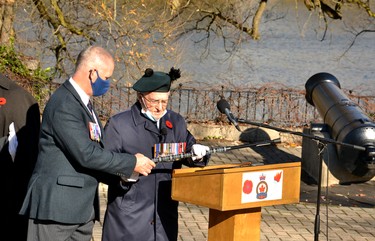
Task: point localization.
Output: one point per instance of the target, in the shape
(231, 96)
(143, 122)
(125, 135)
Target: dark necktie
(89, 105)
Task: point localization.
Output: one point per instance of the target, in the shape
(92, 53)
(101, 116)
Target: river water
(289, 52)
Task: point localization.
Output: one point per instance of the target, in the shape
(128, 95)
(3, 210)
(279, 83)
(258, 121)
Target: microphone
(224, 108)
(163, 132)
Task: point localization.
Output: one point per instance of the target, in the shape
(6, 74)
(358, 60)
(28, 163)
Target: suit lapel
(71, 89)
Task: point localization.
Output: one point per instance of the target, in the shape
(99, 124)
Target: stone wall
(202, 131)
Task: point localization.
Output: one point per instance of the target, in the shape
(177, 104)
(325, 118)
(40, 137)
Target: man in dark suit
(62, 200)
(19, 132)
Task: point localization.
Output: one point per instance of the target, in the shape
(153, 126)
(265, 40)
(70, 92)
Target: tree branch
(231, 21)
(256, 20)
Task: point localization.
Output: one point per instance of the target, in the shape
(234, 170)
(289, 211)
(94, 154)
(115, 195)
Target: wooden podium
(235, 193)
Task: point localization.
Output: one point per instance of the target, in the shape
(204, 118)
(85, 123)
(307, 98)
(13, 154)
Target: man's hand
(144, 165)
(199, 151)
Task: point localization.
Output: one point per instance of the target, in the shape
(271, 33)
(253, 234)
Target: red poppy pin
(3, 101)
(169, 124)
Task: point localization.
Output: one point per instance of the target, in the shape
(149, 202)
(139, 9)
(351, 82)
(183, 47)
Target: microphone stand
(324, 140)
(321, 147)
(321, 144)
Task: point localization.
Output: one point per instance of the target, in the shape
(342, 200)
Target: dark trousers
(47, 231)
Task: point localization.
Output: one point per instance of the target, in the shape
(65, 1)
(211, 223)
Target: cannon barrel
(346, 123)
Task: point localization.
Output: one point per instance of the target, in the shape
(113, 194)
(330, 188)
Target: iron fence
(281, 107)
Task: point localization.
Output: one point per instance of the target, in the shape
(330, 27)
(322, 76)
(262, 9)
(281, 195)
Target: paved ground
(345, 212)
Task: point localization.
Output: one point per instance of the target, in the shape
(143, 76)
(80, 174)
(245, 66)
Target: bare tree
(137, 31)
(230, 19)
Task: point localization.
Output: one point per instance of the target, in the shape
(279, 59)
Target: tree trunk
(6, 22)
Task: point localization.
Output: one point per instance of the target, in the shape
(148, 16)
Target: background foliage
(41, 38)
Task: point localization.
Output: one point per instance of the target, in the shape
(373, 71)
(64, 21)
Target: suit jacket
(63, 186)
(22, 109)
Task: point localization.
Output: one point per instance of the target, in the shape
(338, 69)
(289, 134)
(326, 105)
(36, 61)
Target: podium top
(230, 168)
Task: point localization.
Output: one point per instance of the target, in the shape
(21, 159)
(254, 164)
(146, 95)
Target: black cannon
(344, 122)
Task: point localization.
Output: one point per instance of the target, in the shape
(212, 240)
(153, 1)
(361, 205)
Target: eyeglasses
(156, 102)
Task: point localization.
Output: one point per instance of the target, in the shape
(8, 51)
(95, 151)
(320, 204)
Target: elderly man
(142, 208)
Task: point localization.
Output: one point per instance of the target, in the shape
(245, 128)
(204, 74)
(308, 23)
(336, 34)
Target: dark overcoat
(21, 108)
(64, 185)
(144, 210)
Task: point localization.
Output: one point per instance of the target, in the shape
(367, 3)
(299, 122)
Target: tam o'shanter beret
(155, 81)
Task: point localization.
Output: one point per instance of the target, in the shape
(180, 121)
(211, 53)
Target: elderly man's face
(156, 103)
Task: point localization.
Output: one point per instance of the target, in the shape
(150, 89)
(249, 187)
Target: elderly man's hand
(199, 151)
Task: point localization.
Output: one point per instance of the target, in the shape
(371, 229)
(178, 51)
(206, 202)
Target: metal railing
(281, 107)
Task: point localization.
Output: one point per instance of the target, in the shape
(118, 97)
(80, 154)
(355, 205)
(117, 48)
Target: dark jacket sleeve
(3, 141)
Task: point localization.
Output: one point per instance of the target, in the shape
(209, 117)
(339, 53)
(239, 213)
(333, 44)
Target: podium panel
(235, 193)
(226, 187)
(235, 225)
